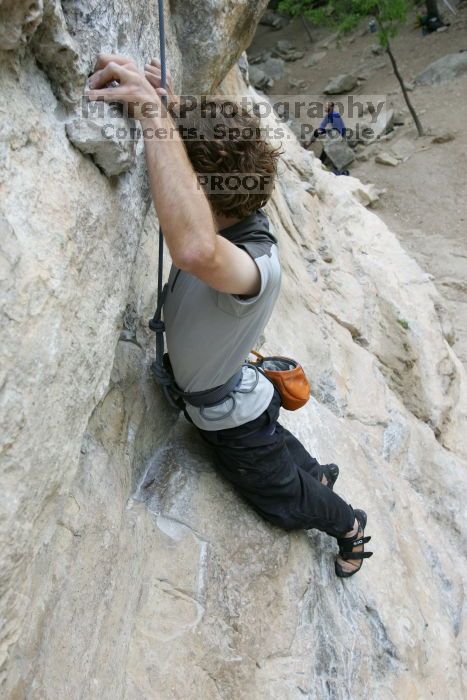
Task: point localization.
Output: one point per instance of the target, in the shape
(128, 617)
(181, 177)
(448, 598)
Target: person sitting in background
(333, 120)
(332, 127)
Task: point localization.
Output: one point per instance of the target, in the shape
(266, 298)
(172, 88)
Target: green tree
(388, 15)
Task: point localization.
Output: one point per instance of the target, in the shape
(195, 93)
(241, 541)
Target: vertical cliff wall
(128, 569)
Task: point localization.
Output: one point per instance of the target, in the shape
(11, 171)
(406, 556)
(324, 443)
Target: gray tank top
(210, 333)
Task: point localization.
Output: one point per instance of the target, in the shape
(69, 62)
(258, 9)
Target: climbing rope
(160, 369)
(163, 85)
(156, 324)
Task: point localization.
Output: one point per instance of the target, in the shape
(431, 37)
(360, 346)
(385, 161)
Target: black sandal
(346, 545)
(331, 472)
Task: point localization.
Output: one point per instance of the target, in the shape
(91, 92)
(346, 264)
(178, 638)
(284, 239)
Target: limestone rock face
(128, 568)
(113, 155)
(213, 34)
(19, 20)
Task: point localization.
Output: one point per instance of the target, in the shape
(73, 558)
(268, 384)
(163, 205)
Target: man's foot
(330, 474)
(351, 548)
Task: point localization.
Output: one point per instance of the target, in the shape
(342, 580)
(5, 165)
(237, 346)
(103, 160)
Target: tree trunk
(432, 9)
(404, 91)
(307, 28)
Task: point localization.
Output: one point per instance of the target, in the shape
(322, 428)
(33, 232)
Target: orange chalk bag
(288, 376)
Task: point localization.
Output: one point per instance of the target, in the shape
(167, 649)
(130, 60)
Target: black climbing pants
(277, 476)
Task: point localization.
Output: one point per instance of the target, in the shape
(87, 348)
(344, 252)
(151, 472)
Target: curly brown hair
(225, 139)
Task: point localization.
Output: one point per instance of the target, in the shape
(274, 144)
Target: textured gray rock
(263, 75)
(213, 33)
(379, 128)
(273, 19)
(399, 118)
(286, 50)
(340, 84)
(339, 153)
(403, 149)
(385, 158)
(258, 78)
(272, 67)
(446, 68)
(330, 42)
(297, 84)
(314, 58)
(58, 54)
(242, 63)
(128, 569)
(384, 123)
(259, 57)
(445, 137)
(19, 20)
(100, 139)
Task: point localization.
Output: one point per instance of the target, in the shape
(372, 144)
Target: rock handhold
(446, 68)
(58, 54)
(108, 142)
(341, 83)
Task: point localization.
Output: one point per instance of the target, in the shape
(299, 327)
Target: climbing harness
(161, 367)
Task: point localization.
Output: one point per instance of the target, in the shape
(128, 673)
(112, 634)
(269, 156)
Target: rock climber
(222, 288)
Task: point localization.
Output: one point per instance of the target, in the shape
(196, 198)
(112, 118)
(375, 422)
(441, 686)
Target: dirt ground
(425, 198)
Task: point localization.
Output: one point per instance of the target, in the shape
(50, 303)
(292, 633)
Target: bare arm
(182, 207)
(187, 221)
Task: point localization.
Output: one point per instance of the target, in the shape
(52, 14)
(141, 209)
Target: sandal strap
(346, 544)
(355, 555)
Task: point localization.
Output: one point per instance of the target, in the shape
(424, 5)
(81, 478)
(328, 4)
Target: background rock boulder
(446, 68)
(339, 153)
(340, 84)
